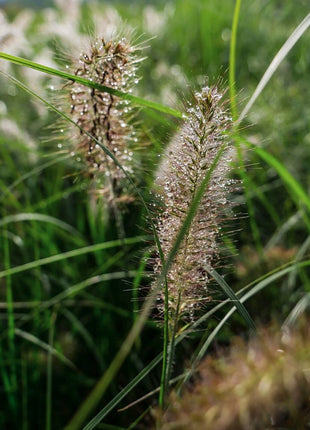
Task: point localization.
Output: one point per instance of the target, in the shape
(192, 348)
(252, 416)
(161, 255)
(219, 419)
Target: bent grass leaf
(39, 217)
(45, 346)
(70, 254)
(232, 296)
(73, 78)
(296, 190)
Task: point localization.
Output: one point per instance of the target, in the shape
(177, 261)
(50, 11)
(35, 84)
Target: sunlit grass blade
(297, 192)
(232, 61)
(74, 78)
(232, 296)
(277, 60)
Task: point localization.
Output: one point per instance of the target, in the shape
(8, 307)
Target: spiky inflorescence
(104, 116)
(185, 164)
(259, 386)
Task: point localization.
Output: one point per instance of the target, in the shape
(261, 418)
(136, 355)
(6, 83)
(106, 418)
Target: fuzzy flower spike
(185, 164)
(105, 116)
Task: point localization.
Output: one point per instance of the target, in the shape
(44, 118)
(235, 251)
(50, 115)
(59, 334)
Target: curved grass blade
(115, 401)
(297, 192)
(45, 346)
(39, 217)
(73, 78)
(298, 309)
(283, 229)
(70, 254)
(277, 60)
(232, 296)
(267, 280)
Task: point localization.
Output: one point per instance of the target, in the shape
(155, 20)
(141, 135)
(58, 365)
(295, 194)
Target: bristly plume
(106, 117)
(185, 164)
(263, 385)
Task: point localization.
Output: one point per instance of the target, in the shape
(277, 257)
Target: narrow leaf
(65, 75)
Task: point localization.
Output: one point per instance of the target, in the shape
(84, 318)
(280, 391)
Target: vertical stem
(234, 113)
(49, 373)
(163, 381)
(11, 323)
(24, 394)
(171, 350)
(232, 60)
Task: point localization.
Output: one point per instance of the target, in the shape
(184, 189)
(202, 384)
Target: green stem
(232, 61)
(49, 373)
(11, 321)
(163, 381)
(172, 345)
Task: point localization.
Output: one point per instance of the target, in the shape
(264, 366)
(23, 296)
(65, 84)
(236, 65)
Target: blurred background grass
(187, 41)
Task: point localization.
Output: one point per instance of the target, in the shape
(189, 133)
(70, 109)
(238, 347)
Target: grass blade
(297, 192)
(39, 217)
(277, 60)
(45, 346)
(232, 296)
(232, 61)
(49, 373)
(70, 254)
(73, 78)
(114, 402)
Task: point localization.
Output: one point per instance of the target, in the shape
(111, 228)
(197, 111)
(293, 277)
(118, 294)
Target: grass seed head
(185, 164)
